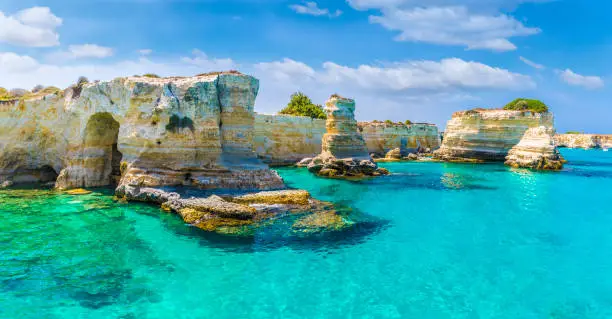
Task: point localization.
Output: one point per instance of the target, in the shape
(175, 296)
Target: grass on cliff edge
(301, 105)
(522, 104)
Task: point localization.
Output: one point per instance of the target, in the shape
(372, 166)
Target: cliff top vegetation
(301, 105)
(522, 104)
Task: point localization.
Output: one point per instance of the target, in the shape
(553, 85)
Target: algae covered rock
(78, 191)
(319, 222)
(292, 197)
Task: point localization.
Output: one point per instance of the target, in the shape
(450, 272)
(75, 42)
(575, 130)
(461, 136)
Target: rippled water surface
(434, 241)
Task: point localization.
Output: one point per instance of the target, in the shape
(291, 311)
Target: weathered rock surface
(286, 139)
(536, 150)
(344, 151)
(292, 197)
(138, 131)
(489, 135)
(586, 141)
(381, 137)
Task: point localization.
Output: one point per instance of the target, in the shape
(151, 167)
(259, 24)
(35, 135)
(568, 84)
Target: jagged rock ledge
(243, 214)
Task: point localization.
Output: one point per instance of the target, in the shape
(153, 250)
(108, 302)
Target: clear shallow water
(437, 241)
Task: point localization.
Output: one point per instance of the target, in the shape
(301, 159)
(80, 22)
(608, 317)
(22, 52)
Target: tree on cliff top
(301, 105)
(532, 105)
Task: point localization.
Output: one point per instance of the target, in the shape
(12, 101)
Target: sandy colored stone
(78, 191)
(536, 150)
(294, 197)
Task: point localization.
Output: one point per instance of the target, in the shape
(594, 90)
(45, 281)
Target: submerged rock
(78, 191)
(319, 222)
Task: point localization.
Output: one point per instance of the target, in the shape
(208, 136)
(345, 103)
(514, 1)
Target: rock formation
(344, 151)
(383, 137)
(536, 150)
(139, 131)
(157, 140)
(586, 141)
(286, 139)
(489, 135)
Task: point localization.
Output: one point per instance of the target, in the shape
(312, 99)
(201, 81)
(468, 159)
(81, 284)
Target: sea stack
(520, 138)
(344, 152)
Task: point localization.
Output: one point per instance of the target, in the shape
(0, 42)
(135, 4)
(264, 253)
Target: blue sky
(400, 59)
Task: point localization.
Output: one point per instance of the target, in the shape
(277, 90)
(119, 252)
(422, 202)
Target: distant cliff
(586, 141)
(382, 137)
(491, 135)
(286, 139)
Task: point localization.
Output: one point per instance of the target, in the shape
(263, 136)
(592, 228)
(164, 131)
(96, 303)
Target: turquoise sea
(434, 241)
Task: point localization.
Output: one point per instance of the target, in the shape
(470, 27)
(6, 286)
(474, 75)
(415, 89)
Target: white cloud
(201, 60)
(90, 51)
(11, 62)
(450, 73)
(475, 24)
(589, 82)
(81, 51)
(532, 64)
(453, 26)
(286, 70)
(145, 51)
(311, 8)
(33, 27)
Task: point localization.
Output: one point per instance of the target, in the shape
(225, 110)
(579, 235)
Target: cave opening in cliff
(101, 145)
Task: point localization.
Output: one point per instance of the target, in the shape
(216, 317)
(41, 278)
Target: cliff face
(285, 139)
(195, 131)
(586, 141)
(489, 135)
(383, 137)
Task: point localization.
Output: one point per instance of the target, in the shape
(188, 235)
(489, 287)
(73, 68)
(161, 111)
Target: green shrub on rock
(522, 104)
(301, 105)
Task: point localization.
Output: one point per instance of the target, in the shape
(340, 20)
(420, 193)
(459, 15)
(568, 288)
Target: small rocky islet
(146, 135)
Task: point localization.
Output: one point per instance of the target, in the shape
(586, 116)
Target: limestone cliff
(383, 137)
(195, 131)
(586, 141)
(286, 139)
(489, 135)
(343, 150)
